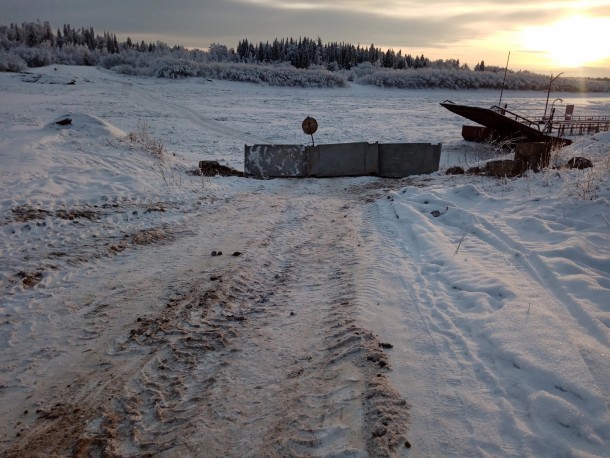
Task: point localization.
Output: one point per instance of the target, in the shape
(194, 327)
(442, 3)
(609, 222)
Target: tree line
(301, 53)
(37, 34)
(306, 52)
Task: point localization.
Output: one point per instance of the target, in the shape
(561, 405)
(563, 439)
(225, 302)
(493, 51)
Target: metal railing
(516, 116)
(580, 125)
(562, 124)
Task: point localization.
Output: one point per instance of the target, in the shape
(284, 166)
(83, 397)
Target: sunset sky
(546, 36)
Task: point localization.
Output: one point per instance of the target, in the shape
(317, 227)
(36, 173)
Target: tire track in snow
(268, 358)
(534, 266)
(419, 362)
(313, 403)
(532, 269)
(466, 376)
(450, 308)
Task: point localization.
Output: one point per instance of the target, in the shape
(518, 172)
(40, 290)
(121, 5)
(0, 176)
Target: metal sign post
(310, 126)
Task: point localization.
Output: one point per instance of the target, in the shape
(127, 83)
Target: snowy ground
(342, 318)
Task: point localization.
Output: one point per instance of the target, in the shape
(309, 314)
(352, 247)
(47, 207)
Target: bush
(10, 62)
(273, 75)
(174, 68)
(34, 57)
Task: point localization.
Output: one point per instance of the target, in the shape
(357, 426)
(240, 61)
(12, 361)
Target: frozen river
(245, 113)
(205, 119)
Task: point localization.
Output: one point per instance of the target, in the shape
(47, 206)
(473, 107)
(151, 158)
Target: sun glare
(571, 42)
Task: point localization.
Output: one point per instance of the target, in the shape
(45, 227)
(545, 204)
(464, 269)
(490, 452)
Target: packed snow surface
(148, 310)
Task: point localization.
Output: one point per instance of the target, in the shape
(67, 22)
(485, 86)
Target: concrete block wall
(398, 160)
(342, 159)
(392, 160)
(275, 161)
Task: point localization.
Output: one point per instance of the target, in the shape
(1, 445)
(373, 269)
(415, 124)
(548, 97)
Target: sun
(571, 42)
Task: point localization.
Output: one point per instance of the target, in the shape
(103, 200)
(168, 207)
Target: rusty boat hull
(500, 126)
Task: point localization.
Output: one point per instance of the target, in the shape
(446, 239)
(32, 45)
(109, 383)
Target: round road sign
(310, 125)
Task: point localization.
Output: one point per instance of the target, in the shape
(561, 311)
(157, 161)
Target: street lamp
(549, 122)
(553, 104)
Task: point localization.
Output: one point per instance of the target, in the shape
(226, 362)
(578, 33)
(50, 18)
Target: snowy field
(341, 319)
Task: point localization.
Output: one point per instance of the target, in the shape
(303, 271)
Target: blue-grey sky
(546, 35)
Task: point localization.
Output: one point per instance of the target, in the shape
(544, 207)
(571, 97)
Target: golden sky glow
(570, 42)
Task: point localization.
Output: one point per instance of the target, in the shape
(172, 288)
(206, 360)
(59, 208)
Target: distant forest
(286, 62)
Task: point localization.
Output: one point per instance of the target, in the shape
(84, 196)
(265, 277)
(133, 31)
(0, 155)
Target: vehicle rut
(267, 355)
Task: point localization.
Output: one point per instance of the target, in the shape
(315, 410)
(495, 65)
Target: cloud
(416, 26)
(198, 23)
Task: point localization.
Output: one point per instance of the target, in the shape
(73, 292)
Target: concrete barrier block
(343, 159)
(398, 160)
(392, 160)
(275, 161)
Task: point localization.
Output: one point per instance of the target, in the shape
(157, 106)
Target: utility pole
(504, 80)
(548, 93)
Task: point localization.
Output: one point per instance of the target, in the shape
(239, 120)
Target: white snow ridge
(428, 316)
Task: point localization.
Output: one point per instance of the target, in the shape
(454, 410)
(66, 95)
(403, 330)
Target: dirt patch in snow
(29, 279)
(26, 213)
(148, 236)
(213, 169)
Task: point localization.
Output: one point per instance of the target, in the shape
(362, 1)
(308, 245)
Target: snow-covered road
(255, 352)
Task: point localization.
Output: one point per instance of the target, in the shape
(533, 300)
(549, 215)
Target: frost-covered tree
(480, 67)
(218, 52)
